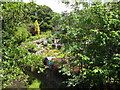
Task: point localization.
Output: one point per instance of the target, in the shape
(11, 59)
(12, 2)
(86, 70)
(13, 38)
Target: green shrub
(21, 34)
(91, 41)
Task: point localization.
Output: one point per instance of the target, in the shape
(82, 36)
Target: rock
(59, 46)
(54, 46)
(38, 42)
(31, 50)
(39, 52)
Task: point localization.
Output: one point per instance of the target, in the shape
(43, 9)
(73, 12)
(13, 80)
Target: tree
(91, 39)
(16, 17)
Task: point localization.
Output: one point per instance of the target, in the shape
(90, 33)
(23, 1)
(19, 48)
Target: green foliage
(31, 60)
(35, 84)
(43, 35)
(90, 36)
(21, 34)
(16, 19)
(50, 41)
(10, 69)
(30, 46)
(91, 39)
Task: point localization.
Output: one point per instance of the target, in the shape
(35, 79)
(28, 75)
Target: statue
(37, 28)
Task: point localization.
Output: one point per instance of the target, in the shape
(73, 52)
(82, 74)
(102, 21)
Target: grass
(35, 84)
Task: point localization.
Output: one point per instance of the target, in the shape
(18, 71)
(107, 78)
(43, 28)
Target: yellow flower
(55, 50)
